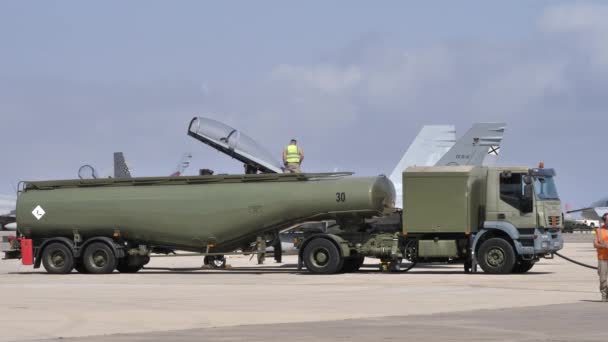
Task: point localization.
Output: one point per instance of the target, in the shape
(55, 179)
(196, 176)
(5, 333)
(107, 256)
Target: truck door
(516, 200)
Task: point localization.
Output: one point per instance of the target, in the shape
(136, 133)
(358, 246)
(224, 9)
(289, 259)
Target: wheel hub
(321, 257)
(496, 257)
(58, 259)
(99, 259)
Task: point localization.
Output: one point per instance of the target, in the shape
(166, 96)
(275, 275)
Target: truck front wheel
(57, 258)
(321, 256)
(99, 258)
(496, 256)
(523, 266)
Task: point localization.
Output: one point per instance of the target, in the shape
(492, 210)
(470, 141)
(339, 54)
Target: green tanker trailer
(97, 226)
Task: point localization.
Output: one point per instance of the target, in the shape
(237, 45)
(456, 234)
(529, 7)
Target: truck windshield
(545, 188)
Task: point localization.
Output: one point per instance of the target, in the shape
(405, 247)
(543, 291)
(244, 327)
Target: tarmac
(174, 299)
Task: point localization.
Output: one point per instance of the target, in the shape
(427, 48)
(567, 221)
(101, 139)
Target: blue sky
(354, 81)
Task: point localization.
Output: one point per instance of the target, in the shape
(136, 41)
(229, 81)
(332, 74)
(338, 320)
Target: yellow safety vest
(293, 154)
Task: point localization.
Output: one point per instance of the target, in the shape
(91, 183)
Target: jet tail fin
(431, 143)
(481, 140)
(121, 170)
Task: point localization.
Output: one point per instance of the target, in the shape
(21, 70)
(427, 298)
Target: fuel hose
(575, 262)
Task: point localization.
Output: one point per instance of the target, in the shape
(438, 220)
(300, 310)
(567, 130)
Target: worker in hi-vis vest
(293, 156)
(601, 244)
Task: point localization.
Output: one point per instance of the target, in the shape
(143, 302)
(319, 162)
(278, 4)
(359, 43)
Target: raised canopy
(233, 143)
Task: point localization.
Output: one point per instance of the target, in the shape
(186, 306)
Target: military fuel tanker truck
(502, 218)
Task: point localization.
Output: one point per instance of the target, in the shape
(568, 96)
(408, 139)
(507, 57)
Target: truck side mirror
(527, 200)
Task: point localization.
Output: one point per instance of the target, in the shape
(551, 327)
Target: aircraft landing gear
(215, 261)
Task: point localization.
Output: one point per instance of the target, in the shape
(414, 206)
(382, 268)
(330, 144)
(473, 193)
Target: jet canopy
(234, 143)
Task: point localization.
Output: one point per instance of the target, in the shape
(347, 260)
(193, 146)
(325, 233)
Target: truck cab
(524, 206)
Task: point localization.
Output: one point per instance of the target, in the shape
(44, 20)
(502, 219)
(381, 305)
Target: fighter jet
(434, 145)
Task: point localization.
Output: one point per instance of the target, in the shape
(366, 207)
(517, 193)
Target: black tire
(496, 256)
(321, 256)
(352, 264)
(523, 266)
(215, 261)
(79, 267)
(99, 258)
(57, 258)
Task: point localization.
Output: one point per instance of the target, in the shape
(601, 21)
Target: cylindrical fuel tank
(192, 212)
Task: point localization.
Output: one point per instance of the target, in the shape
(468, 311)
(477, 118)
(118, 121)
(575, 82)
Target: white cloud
(511, 90)
(575, 17)
(327, 79)
(586, 21)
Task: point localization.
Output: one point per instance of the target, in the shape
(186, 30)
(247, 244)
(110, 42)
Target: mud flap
(27, 252)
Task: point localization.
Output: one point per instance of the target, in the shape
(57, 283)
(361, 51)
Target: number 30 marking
(340, 197)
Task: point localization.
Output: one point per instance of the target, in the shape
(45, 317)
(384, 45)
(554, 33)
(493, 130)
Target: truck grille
(554, 221)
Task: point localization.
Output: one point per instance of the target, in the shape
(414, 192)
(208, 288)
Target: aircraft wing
(578, 210)
(233, 143)
(431, 143)
(481, 140)
(591, 213)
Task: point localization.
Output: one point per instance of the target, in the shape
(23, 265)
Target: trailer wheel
(321, 256)
(57, 258)
(352, 264)
(523, 266)
(215, 261)
(99, 258)
(496, 256)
